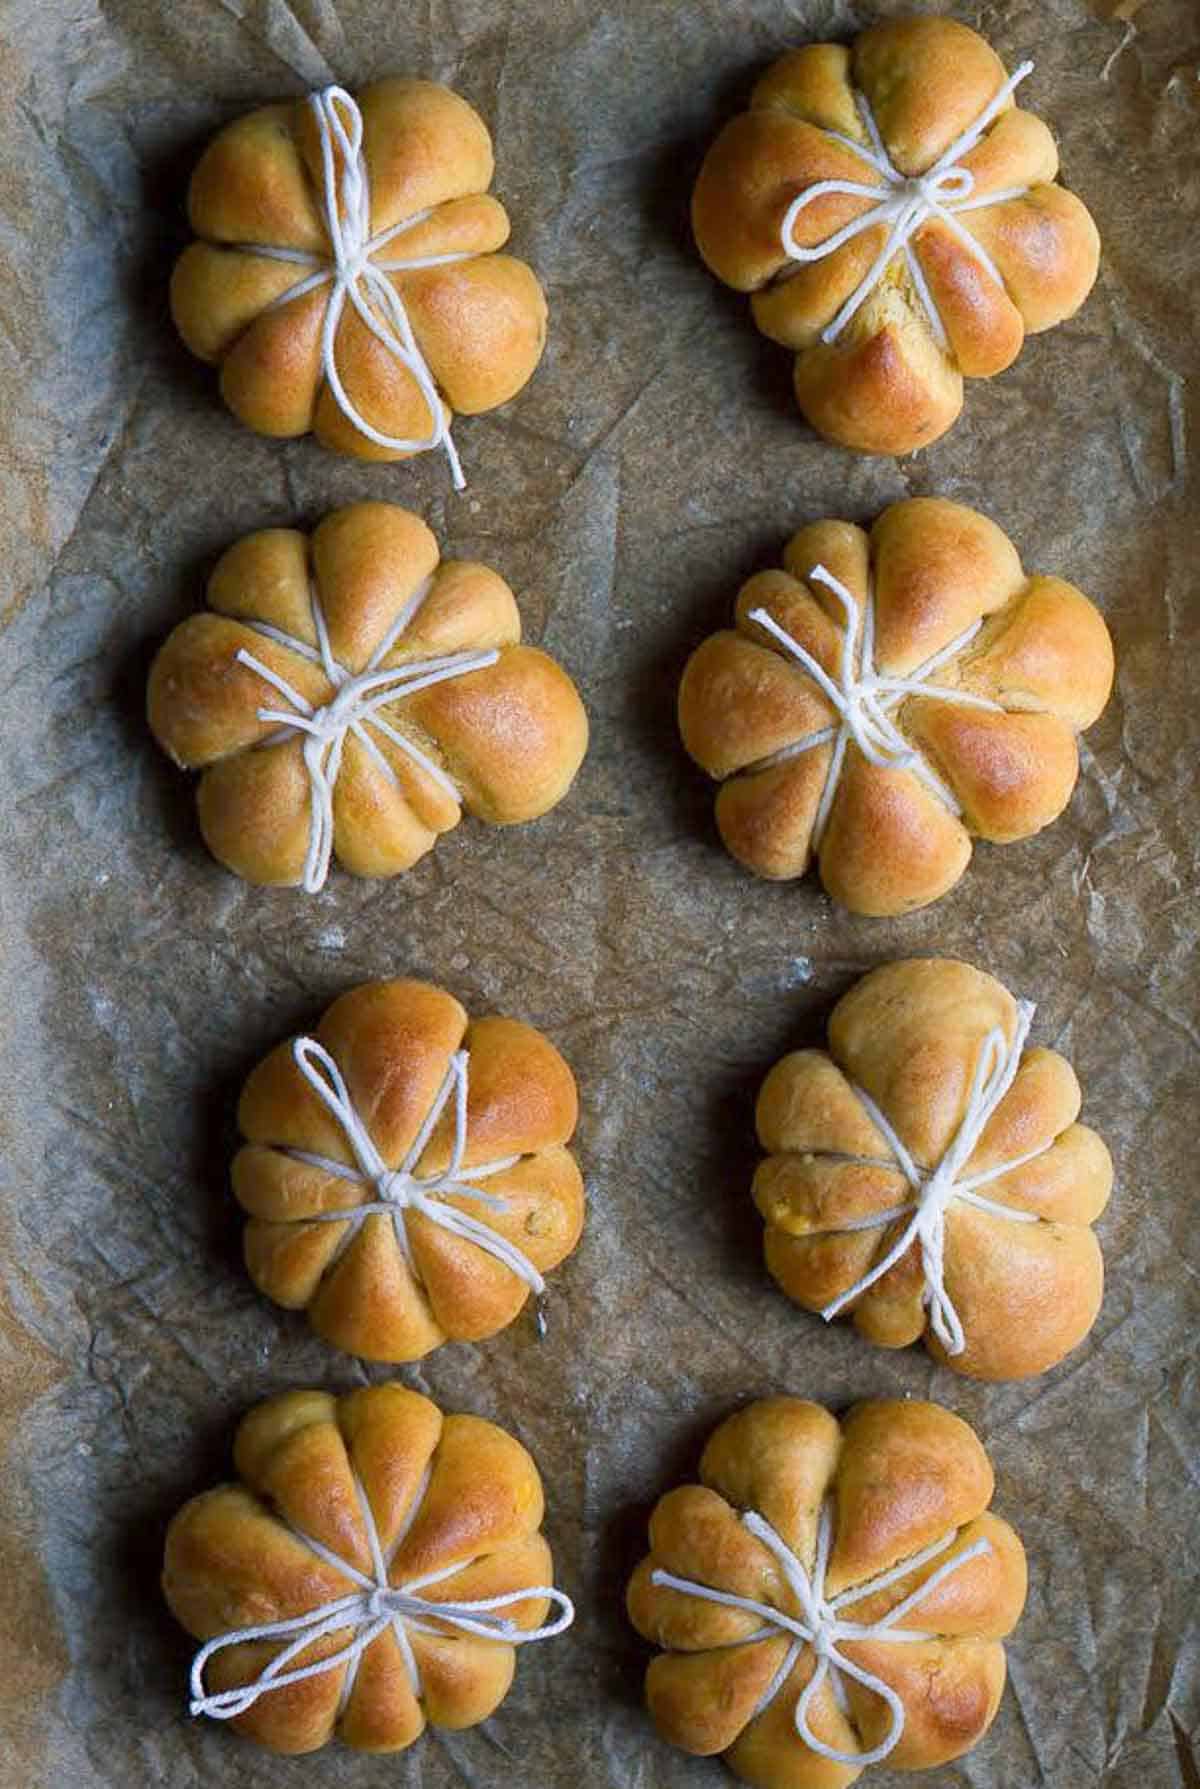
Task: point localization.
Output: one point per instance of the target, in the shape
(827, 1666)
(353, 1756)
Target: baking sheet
(655, 460)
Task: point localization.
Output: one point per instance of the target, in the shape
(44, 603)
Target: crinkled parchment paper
(655, 460)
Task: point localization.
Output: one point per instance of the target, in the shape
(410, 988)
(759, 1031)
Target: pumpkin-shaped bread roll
(890, 696)
(348, 695)
(406, 1171)
(346, 278)
(830, 1595)
(929, 1177)
(373, 1572)
(896, 218)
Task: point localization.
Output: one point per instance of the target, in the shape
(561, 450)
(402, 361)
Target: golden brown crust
(480, 323)
(459, 1490)
(910, 1035)
(509, 737)
(887, 384)
(896, 1477)
(1041, 659)
(392, 1042)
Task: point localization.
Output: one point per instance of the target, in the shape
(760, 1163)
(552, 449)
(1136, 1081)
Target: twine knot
(864, 714)
(937, 1192)
(397, 1189)
(902, 204)
(334, 717)
(379, 1603)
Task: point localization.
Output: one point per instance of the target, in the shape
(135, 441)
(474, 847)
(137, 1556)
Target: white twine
(400, 1190)
(356, 706)
(824, 1628)
(358, 277)
(368, 1612)
(903, 205)
(864, 697)
(934, 1192)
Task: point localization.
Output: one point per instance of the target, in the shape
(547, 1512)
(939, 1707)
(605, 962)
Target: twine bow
(824, 1628)
(357, 705)
(903, 205)
(934, 1192)
(359, 279)
(863, 698)
(367, 1612)
(400, 1190)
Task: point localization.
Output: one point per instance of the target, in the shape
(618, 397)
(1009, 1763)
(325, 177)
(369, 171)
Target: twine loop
(823, 1627)
(365, 1614)
(359, 278)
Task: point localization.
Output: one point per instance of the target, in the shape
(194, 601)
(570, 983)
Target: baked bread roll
(890, 696)
(406, 1171)
(349, 696)
(830, 1595)
(375, 1570)
(896, 218)
(346, 279)
(927, 1175)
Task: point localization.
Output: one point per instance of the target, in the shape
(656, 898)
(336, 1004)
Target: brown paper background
(655, 460)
